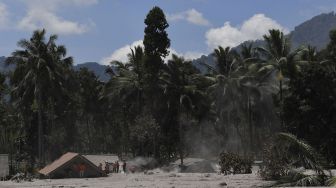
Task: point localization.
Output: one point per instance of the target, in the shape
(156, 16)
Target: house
(67, 167)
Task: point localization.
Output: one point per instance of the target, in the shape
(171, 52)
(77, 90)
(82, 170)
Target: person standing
(114, 167)
(107, 167)
(117, 165)
(82, 169)
(124, 166)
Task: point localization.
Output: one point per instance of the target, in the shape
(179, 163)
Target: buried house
(67, 167)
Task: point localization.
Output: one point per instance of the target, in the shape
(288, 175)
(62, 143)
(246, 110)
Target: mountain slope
(314, 32)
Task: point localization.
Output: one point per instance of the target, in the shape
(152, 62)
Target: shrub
(275, 163)
(231, 163)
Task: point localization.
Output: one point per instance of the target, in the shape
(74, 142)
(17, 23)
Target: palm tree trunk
(88, 133)
(281, 105)
(40, 129)
(181, 144)
(180, 135)
(250, 123)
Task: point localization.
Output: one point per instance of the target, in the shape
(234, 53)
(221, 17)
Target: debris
(148, 173)
(223, 184)
(172, 175)
(19, 177)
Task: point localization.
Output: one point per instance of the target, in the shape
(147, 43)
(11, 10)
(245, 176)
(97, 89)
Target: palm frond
(332, 181)
(303, 151)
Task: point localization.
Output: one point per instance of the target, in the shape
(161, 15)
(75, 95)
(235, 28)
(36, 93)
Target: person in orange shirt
(82, 169)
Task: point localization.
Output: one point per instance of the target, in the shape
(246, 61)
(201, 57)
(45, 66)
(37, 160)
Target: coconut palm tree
(127, 81)
(233, 89)
(126, 85)
(290, 152)
(278, 60)
(181, 91)
(38, 74)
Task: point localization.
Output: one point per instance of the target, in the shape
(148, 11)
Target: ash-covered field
(197, 173)
(155, 178)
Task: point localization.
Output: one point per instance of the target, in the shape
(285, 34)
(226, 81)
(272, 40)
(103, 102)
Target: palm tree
(127, 81)
(291, 152)
(278, 60)
(233, 88)
(225, 61)
(310, 54)
(38, 73)
(126, 84)
(181, 92)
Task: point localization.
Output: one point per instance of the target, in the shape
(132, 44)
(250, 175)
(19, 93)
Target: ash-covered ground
(198, 173)
(157, 179)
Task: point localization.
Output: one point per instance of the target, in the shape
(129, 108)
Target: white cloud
(42, 14)
(36, 19)
(3, 16)
(189, 55)
(55, 4)
(121, 53)
(251, 29)
(192, 16)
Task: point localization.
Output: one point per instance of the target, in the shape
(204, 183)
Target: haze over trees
(167, 110)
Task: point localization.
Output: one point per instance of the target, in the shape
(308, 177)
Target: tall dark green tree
(156, 39)
(38, 74)
(156, 43)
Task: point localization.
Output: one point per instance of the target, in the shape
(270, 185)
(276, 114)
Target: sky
(105, 30)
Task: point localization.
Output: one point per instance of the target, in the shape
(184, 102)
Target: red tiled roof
(58, 163)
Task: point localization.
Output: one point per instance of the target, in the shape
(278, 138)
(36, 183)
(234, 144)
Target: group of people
(115, 167)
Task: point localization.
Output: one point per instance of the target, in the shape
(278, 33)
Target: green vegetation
(169, 110)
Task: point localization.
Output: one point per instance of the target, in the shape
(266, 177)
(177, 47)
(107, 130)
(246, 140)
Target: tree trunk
(281, 106)
(181, 144)
(40, 129)
(180, 134)
(88, 133)
(250, 123)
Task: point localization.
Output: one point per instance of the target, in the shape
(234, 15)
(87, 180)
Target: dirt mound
(193, 165)
(204, 166)
(139, 164)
